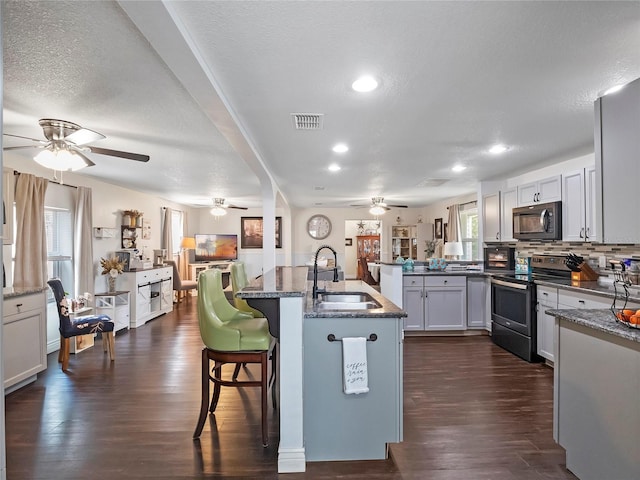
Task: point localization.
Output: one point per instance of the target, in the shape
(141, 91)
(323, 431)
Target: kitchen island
(284, 295)
(596, 394)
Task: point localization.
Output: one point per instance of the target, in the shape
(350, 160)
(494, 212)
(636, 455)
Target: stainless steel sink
(347, 301)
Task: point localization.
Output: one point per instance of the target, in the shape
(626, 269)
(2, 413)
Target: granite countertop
(388, 309)
(277, 283)
(603, 290)
(10, 292)
(598, 319)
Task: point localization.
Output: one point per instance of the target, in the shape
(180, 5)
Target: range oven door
(511, 305)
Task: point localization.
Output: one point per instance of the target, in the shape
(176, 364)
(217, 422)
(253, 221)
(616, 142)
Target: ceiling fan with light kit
(379, 207)
(66, 145)
(220, 208)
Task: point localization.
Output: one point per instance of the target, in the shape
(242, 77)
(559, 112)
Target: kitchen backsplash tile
(591, 251)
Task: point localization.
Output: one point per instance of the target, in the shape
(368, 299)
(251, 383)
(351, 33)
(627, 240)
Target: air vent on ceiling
(307, 121)
(318, 187)
(432, 182)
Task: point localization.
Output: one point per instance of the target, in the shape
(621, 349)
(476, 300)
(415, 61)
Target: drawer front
(412, 281)
(580, 300)
(24, 303)
(548, 295)
(445, 281)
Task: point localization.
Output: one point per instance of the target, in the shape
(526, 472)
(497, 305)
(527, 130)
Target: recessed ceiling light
(334, 167)
(365, 84)
(499, 148)
(614, 89)
(340, 148)
(458, 168)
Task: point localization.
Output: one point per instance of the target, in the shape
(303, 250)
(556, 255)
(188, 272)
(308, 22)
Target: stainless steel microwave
(538, 222)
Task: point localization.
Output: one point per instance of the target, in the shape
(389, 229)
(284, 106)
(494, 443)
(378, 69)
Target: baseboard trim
(291, 460)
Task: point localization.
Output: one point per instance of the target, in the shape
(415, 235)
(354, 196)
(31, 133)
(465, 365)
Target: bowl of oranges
(630, 318)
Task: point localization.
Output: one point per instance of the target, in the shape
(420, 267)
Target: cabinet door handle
(587, 233)
(498, 236)
(582, 233)
(581, 301)
(18, 305)
(445, 281)
(545, 293)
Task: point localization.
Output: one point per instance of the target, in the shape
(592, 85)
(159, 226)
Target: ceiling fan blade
(84, 136)
(84, 157)
(398, 206)
(22, 147)
(115, 153)
(26, 138)
(239, 208)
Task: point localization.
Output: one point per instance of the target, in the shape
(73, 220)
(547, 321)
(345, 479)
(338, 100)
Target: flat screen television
(211, 247)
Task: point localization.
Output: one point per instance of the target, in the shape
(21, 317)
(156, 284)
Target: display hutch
(404, 242)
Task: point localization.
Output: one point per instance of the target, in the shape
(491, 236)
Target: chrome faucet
(316, 290)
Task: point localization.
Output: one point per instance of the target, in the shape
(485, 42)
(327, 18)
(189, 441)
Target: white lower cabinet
(24, 339)
(150, 294)
(445, 303)
(476, 301)
(435, 302)
(545, 341)
(560, 298)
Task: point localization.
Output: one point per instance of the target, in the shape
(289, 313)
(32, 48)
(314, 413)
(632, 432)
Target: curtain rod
(17, 173)
(466, 203)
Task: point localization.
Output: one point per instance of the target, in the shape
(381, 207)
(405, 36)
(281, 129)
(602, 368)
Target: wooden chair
(180, 285)
(85, 325)
(365, 273)
(230, 336)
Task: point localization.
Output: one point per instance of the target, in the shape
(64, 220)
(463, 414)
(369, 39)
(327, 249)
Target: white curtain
(167, 233)
(453, 227)
(31, 239)
(82, 244)
(184, 254)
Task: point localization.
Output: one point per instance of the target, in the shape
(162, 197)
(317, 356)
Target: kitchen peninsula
(596, 402)
(312, 402)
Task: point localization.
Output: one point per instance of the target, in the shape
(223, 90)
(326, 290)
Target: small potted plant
(430, 248)
(111, 267)
(132, 218)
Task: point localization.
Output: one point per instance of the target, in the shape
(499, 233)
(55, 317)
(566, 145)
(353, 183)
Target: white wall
(108, 202)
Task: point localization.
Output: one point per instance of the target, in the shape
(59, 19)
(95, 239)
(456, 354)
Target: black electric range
(513, 304)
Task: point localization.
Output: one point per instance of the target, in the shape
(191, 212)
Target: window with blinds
(469, 230)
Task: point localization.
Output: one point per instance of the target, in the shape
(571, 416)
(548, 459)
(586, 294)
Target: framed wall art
(437, 226)
(251, 229)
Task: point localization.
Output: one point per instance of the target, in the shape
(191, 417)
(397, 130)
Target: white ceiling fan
(66, 144)
(220, 208)
(378, 207)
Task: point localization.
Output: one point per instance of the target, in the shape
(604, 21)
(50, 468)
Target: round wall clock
(319, 227)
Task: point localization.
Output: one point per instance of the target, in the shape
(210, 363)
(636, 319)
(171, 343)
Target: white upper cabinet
(491, 217)
(617, 149)
(573, 207)
(541, 191)
(508, 201)
(591, 224)
(579, 206)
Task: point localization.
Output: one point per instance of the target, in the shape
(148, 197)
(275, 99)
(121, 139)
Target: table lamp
(188, 243)
(453, 250)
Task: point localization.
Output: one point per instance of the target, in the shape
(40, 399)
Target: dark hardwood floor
(471, 411)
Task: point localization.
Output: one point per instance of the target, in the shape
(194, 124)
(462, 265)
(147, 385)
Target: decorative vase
(133, 221)
(126, 220)
(139, 222)
(111, 281)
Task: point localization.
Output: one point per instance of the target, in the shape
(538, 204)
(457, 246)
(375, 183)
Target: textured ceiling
(455, 78)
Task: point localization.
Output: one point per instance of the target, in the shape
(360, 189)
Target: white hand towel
(354, 365)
